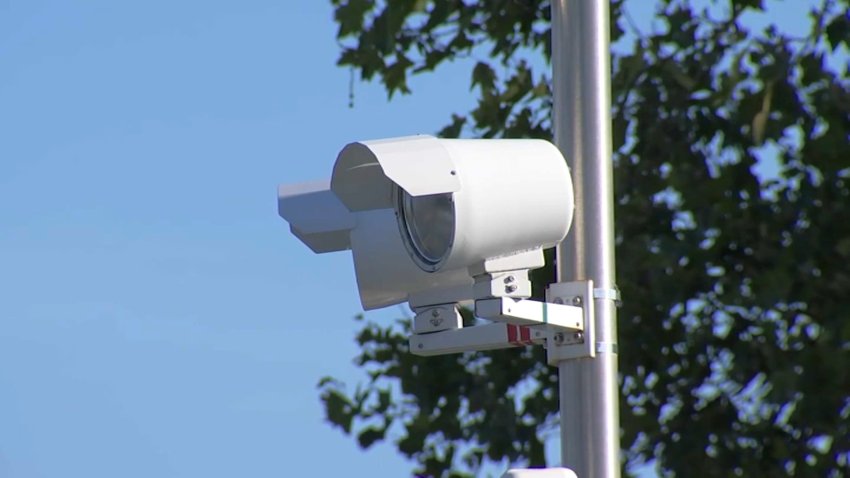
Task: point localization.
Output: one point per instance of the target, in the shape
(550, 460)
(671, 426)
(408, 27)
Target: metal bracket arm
(564, 329)
(558, 317)
(478, 338)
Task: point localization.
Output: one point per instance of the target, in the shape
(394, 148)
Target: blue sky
(156, 316)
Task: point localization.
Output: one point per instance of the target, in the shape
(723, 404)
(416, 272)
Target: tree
(732, 164)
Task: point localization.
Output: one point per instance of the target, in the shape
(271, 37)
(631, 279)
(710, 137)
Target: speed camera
(435, 222)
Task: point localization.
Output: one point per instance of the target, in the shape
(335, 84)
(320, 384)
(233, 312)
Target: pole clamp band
(612, 293)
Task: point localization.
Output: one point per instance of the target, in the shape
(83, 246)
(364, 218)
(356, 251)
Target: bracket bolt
(509, 279)
(577, 300)
(559, 338)
(558, 300)
(435, 313)
(578, 336)
(510, 288)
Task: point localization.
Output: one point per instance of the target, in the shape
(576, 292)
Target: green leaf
(367, 437)
(339, 409)
(350, 16)
(483, 76)
(838, 30)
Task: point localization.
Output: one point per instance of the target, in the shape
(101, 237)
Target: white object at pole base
(540, 473)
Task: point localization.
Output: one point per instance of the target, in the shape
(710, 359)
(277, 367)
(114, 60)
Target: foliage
(732, 165)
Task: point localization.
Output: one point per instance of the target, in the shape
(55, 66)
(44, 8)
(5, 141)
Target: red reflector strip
(513, 335)
(525, 336)
(519, 336)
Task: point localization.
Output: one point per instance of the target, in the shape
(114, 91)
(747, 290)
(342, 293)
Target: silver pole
(581, 71)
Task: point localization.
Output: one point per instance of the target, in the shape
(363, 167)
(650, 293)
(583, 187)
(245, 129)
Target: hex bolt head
(510, 288)
(578, 336)
(509, 279)
(577, 300)
(435, 313)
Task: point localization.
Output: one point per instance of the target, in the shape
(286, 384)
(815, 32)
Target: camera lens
(428, 226)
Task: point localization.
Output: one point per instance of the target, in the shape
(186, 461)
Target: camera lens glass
(428, 222)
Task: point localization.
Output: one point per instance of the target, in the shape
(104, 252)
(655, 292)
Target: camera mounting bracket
(578, 344)
(564, 325)
(435, 318)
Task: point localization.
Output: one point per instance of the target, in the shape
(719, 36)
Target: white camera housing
(509, 196)
(436, 221)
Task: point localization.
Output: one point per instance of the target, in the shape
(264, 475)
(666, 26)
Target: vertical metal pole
(581, 70)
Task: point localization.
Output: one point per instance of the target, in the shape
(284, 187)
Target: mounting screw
(435, 313)
(436, 321)
(578, 336)
(559, 338)
(558, 300)
(510, 288)
(509, 279)
(577, 300)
